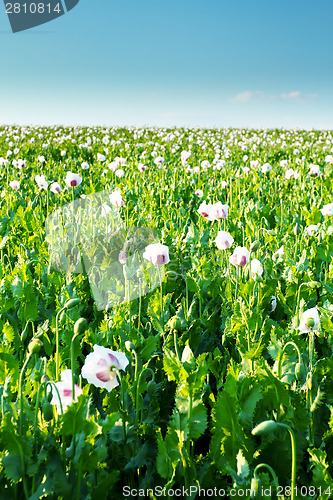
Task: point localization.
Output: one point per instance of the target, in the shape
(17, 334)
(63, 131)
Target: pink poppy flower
(157, 254)
(73, 180)
(65, 390)
(97, 368)
(240, 257)
(116, 199)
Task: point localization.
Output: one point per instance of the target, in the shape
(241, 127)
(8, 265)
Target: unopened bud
(151, 387)
(297, 229)
(298, 371)
(265, 427)
(255, 487)
(47, 410)
(72, 303)
(254, 246)
(80, 325)
(129, 345)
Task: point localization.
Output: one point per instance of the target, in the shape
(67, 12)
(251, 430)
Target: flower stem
(20, 389)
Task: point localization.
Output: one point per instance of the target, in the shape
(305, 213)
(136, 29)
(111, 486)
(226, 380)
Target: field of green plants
(215, 379)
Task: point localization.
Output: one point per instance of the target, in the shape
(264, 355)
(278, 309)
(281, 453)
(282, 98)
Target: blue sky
(265, 63)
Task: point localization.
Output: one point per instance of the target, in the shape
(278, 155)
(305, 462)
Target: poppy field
(175, 340)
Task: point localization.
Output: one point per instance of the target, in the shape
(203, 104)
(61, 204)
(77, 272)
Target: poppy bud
(255, 487)
(72, 303)
(50, 269)
(47, 410)
(254, 246)
(129, 345)
(298, 371)
(309, 382)
(151, 387)
(297, 229)
(34, 346)
(80, 326)
(265, 427)
(62, 318)
(49, 396)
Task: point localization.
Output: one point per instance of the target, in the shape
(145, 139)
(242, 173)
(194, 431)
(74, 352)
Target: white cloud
(255, 95)
(247, 95)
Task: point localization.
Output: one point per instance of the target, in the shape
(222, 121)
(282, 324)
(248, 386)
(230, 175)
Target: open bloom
(223, 240)
(327, 209)
(15, 185)
(329, 158)
(314, 170)
(256, 268)
(55, 187)
(309, 321)
(41, 181)
(97, 368)
(204, 209)
(240, 257)
(199, 193)
(311, 229)
(266, 168)
(21, 163)
(73, 180)
(157, 254)
(254, 163)
(113, 166)
(84, 165)
(120, 173)
(120, 161)
(218, 211)
(159, 160)
(185, 156)
(116, 199)
(65, 390)
(100, 157)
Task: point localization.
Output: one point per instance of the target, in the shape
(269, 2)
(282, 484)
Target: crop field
(166, 313)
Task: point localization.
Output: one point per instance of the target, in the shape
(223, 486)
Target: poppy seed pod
(174, 323)
(310, 322)
(35, 346)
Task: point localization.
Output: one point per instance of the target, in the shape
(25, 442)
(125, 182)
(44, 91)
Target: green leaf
(198, 423)
(163, 462)
(248, 406)
(13, 467)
